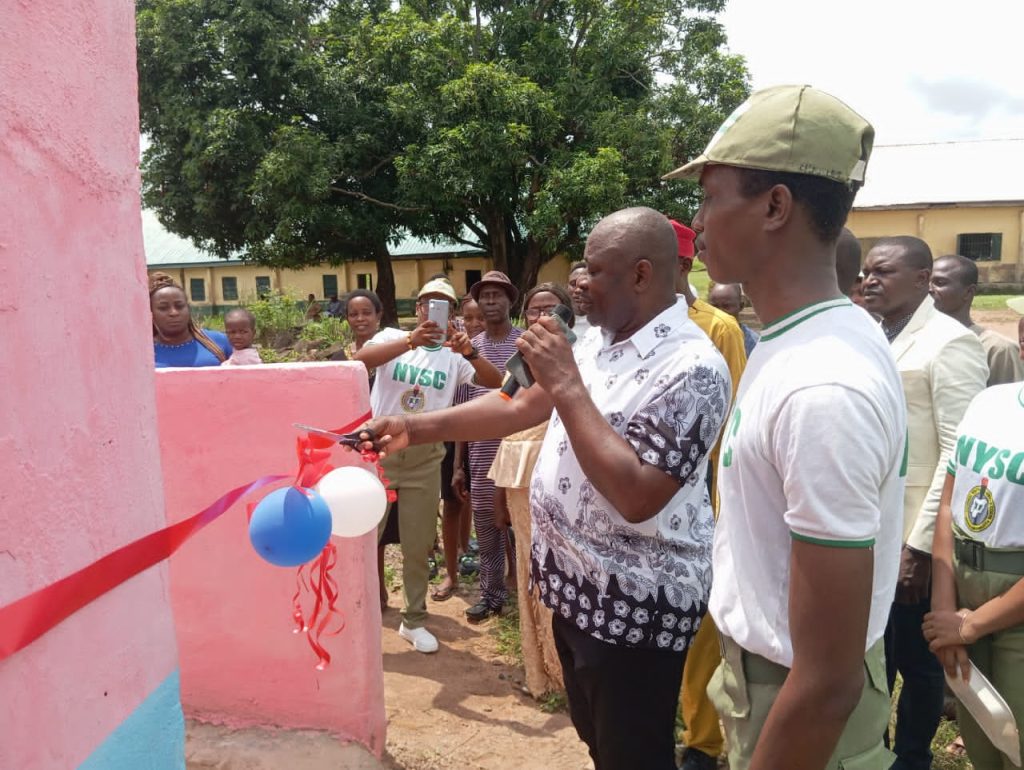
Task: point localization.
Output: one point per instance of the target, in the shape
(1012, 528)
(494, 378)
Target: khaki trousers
(999, 656)
(701, 731)
(415, 474)
(745, 686)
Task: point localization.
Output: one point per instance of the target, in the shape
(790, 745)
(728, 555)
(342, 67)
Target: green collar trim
(798, 316)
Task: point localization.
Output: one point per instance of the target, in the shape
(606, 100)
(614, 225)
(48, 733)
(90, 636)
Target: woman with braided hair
(177, 340)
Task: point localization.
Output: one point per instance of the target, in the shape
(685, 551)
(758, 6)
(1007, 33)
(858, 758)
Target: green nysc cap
(795, 129)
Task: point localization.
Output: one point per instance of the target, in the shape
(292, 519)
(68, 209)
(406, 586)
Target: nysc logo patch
(979, 508)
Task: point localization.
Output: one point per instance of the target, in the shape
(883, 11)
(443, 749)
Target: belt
(975, 554)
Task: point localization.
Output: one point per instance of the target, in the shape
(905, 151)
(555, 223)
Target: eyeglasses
(536, 312)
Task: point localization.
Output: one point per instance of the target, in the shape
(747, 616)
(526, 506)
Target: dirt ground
(465, 706)
(1003, 321)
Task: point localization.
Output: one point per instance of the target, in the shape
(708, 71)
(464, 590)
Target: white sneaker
(420, 638)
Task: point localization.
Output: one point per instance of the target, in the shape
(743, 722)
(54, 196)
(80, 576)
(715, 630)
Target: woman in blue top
(177, 341)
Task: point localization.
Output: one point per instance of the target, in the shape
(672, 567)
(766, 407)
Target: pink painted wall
(240, 662)
(78, 450)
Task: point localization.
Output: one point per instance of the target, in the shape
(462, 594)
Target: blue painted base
(151, 738)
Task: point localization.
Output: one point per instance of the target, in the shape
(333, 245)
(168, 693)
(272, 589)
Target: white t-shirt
(815, 450)
(988, 462)
(419, 380)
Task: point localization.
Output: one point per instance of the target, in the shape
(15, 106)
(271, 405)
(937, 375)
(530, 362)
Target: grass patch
(505, 630)
(942, 760)
(991, 301)
(390, 577)
(700, 279)
(554, 702)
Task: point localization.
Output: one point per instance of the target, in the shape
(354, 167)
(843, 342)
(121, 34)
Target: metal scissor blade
(348, 440)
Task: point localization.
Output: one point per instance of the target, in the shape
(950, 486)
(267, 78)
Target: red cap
(686, 237)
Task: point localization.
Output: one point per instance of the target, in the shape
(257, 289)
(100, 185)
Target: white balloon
(357, 499)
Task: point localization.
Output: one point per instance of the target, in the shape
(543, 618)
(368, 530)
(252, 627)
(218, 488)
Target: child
(240, 326)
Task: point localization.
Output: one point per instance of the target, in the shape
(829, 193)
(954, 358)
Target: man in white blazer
(943, 366)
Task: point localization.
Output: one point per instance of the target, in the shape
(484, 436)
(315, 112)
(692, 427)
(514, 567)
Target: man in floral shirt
(622, 519)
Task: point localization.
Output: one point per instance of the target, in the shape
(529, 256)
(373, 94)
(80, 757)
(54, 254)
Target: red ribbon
(24, 621)
(28, 618)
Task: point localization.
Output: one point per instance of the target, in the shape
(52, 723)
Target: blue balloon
(290, 526)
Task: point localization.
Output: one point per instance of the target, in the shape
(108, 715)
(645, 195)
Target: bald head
(631, 267)
(727, 297)
(847, 261)
(641, 233)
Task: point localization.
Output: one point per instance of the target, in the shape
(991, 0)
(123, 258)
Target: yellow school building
(212, 283)
(959, 197)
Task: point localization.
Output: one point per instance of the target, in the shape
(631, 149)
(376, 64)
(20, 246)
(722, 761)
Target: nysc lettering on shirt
(425, 378)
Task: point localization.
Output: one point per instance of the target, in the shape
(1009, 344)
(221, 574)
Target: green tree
(304, 131)
(252, 127)
(531, 120)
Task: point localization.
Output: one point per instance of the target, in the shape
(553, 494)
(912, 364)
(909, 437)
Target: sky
(918, 71)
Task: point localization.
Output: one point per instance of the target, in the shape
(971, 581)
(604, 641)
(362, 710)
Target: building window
(229, 288)
(197, 289)
(472, 276)
(262, 286)
(981, 247)
(330, 286)
(365, 281)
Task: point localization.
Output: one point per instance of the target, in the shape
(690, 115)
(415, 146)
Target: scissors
(345, 439)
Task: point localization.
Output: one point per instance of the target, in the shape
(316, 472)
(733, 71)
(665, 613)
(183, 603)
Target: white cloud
(919, 71)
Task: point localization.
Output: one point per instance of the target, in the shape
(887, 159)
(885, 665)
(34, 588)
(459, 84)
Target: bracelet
(960, 628)
(409, 342)
(472, 355)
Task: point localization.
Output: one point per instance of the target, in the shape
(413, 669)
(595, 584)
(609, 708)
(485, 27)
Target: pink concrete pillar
(78, 444)
(241, 664)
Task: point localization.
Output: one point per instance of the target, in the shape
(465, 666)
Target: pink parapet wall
(78, 447)
(241, 664)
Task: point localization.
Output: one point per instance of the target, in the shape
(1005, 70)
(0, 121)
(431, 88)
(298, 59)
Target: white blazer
(943, 366)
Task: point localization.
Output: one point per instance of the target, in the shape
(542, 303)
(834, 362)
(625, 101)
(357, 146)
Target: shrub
(275, 313)
(327, 331)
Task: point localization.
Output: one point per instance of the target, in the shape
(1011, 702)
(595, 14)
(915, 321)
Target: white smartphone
(437, 311)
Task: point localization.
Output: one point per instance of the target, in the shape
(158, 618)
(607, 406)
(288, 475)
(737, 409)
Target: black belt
(974, 554)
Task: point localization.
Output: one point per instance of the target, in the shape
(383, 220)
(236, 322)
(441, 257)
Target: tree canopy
(307, 131)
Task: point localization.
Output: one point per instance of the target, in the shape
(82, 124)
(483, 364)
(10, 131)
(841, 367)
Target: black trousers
(622, 700)
(920, 703)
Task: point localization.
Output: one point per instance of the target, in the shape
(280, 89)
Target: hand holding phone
(438, 311)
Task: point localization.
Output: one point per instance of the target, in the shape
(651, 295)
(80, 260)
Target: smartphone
(437, 311)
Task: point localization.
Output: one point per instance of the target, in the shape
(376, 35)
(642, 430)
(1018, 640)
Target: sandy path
(464, 706)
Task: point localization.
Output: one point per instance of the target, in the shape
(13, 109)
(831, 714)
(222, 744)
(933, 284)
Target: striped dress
(491, 540)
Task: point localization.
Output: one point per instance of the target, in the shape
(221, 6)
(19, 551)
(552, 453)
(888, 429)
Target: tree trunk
(385, 284)
(531, 263)
(494, 223)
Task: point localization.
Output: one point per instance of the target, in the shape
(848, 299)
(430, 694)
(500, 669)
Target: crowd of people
(760, 531)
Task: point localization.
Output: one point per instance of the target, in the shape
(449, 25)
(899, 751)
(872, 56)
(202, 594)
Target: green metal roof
(165, 249)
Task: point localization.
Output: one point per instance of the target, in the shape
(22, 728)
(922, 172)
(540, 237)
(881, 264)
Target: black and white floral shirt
(666, 391)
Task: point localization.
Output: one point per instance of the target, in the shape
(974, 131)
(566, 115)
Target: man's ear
(643, 272)
(778, 207)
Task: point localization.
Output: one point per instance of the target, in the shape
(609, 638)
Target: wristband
(472, 355)
(409, 342)
(960, 628)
